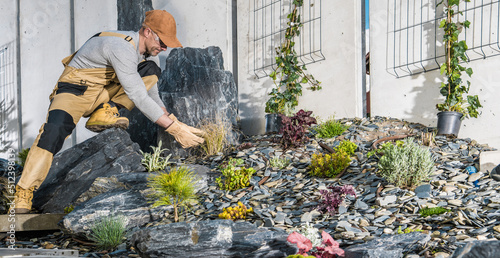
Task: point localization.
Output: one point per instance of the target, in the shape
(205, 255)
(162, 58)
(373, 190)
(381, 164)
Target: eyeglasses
(162, 45)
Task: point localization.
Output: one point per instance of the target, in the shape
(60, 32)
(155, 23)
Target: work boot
(23, 198)
(106, 117)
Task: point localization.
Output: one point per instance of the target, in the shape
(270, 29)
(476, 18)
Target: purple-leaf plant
(293, 129)
(331, 199)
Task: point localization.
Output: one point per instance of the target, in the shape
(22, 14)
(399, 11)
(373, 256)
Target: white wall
(46, 39)
(414, 98)
(340, 72)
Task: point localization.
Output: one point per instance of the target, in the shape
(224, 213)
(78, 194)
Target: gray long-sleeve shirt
(115, 52)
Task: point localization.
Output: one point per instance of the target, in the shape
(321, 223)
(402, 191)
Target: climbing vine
(454, 89)
(289, 74)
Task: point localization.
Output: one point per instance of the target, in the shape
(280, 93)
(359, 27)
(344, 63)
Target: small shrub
(235, 213)
(154, 161)
(216, 133)
(22, 155)
(330, 129)
(406, 165)
(279, 162)
(347, 147)
(425, 212)
(293, 129)
(108, 232)
(235, 177)
(176, 188)
(329, 165)
(332, 198)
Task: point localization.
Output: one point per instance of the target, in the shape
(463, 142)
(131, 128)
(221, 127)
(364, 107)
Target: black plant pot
(449, 123)
(273, 123)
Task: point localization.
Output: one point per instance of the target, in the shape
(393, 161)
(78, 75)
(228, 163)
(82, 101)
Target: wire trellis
(418, 41)
(8, 97)
(270, 17)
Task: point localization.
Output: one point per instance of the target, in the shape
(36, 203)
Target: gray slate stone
(195, 87)
(483, 249)
(387, 247)
(132, 205)
(215, 238)
(74, 170)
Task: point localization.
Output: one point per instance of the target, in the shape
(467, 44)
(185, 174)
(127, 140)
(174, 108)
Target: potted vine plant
(457, 104)
(288, 75)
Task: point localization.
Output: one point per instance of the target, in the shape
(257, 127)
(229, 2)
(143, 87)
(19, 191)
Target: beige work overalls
(77, 93)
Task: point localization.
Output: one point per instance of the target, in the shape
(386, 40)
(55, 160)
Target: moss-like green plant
(347, 147)
(236, 212)
(407, 165)
(176, 188)
(69, 209)
(22, 155)
(279, 162)
(425, 212)
(329, 165)
(154, 161)
(108, 232)
(235, 176)
(330, 129)
(216, 133)
(408, 230)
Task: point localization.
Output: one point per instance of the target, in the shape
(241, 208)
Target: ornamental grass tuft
(108, 232)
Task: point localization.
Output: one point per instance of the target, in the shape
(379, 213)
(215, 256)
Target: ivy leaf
(469, 71)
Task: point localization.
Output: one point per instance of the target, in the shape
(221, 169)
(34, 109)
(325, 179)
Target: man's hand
(193, 130)
(183, 136)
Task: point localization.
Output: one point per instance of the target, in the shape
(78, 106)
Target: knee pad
(58, 126)
(147, 68)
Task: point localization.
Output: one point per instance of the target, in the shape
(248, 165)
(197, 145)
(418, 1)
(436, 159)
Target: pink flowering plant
(329, 248)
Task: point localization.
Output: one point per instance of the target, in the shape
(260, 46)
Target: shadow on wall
(252, 106)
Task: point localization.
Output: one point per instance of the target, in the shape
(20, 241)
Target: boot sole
(100, 128)
(21, 210)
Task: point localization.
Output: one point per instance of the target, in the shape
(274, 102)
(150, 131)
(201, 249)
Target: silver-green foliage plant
(108, 232)
(279, 162)
(154, 161)
(406, 165)
(176, 188)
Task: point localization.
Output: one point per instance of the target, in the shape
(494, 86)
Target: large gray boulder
(73, 171)
(216, 238)
(194, 87)
(388, 247)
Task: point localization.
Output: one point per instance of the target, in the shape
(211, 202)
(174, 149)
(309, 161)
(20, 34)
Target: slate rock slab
(194, 87)
(483, 249)
(74, 170)
(215, 238)
(388, 247)
(130, 205)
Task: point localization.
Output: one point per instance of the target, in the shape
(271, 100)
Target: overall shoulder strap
(115, 34)
(68, 59)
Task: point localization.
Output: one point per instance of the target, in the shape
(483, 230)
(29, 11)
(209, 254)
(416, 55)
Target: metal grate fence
(417, 38)
(270, 17)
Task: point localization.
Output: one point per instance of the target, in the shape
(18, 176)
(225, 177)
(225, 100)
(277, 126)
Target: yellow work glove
(183, 136)
(193, 130)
